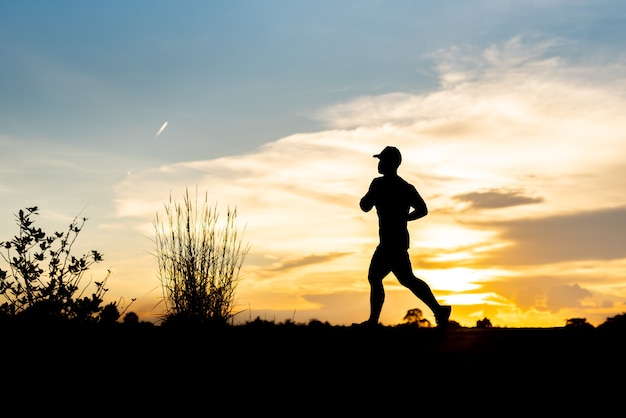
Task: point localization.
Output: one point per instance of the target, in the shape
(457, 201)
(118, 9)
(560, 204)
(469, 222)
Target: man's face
(386, 167)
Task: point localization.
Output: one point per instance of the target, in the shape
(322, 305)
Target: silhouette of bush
(452, 324)
(614, 323)
(131, 318)
(484, 323)
(578, 323)
(199, 259)
(36, 292)
(316, 323)
(415, 318)
(259, 323)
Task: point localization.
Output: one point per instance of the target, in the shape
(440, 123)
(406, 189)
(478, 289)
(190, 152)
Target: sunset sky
(510, 116)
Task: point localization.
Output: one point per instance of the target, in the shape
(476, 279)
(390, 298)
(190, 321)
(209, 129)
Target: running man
(397, 202)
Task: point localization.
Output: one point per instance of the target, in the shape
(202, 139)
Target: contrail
(161, 129)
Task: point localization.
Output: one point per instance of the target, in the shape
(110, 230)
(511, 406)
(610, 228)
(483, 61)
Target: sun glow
(475, 299)
(450, 237)
(452, 280)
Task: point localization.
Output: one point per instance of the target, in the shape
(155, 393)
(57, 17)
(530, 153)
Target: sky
(510, 116)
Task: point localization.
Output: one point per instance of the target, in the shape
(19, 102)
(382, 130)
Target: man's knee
(375, 280)
(412, 282)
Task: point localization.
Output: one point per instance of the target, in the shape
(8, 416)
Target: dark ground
(320, 370)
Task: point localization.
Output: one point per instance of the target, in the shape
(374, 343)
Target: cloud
(527, 292)
(495, 199)
(289, 264)
(566, 297)
(591, 235)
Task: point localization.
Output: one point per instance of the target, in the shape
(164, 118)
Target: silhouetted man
(397, 202)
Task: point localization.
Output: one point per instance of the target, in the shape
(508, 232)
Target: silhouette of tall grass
(199, 257)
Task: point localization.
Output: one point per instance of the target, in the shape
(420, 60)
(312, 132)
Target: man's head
(390, 159)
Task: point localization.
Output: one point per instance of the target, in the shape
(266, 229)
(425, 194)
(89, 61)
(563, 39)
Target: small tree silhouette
(483, 323)
(199, 258)
(578, 323)
(614, 323)
(32, 292)
(415, 317)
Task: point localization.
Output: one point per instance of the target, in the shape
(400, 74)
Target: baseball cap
(390, 154)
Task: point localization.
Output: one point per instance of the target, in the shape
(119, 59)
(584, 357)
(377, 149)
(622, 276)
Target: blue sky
(234, 75)
(485, 97)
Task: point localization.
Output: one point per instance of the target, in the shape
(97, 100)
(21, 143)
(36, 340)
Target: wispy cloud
(495, 199)
(288, 264)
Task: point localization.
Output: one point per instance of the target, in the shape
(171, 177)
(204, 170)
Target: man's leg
(377, 272)
(403, 271)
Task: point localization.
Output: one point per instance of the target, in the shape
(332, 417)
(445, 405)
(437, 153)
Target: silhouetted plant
(316, 323)
(259, 323)
(36, 292)
(452, 324)
(483, 323)
(131, 318)
(415, 317)
(614, 323)
(578, 323)
(199, 260)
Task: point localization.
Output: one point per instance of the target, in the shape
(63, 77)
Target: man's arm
(419, 207)
(367, 201)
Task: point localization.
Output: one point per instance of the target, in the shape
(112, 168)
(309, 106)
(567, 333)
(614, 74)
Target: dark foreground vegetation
(263, 367)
